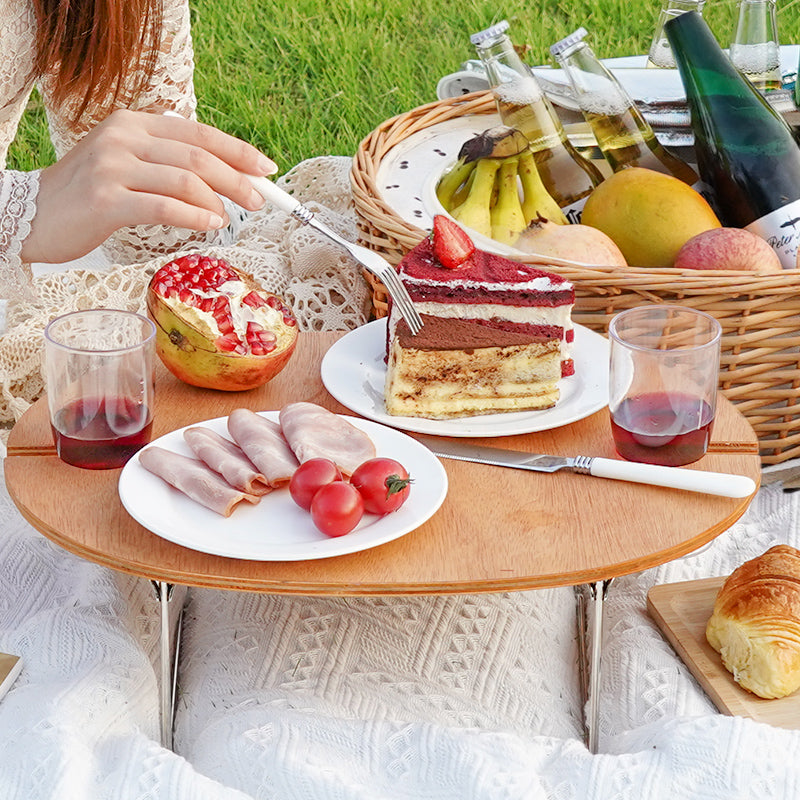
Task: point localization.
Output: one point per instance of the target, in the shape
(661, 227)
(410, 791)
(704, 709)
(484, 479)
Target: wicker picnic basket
(760, 315)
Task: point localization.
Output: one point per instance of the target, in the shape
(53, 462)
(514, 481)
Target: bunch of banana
(494, 187)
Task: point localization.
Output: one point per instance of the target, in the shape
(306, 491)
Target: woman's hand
(137, 168)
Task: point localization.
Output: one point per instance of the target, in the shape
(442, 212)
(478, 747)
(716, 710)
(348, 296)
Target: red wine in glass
(666, 428)
(101, 433)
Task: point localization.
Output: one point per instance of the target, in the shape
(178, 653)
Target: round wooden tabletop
(498, 529)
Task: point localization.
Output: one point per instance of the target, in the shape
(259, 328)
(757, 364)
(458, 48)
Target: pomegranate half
(216, 327)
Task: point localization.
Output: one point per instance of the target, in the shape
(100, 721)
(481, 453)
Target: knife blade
(717, 483)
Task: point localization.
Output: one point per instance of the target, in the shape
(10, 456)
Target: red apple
(728, 248)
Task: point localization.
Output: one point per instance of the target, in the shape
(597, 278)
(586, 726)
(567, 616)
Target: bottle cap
(568, 41)
(489, 33)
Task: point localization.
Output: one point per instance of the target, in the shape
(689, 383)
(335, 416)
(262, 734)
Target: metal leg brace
(169, 599)
(590, 606)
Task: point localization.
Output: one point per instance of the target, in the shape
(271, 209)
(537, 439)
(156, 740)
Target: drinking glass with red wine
(663, 383)
(100, 382)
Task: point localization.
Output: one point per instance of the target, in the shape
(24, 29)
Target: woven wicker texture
(760, 315)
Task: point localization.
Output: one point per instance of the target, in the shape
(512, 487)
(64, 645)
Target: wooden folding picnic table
(498, 529)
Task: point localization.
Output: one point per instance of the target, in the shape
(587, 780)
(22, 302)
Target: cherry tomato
(337, 508)
(383, 483)
(311, 476)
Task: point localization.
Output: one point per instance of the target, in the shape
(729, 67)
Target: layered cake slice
(497, 334)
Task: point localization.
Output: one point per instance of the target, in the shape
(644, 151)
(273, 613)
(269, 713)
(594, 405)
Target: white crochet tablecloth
(291, 698)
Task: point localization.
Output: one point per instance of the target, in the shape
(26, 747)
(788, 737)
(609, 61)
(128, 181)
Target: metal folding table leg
(169, 598)
(591, 603)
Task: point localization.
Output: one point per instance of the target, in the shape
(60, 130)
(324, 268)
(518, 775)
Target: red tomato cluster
(378, 486)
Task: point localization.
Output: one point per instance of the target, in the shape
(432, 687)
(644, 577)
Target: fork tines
(400, 296)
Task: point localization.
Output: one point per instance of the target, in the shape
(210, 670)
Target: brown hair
(93, 47)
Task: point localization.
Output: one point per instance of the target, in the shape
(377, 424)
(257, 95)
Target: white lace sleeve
(171, 87)
(18, 191)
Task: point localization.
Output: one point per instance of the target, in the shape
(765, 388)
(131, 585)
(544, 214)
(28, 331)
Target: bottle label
(574, 211)
(781, 230)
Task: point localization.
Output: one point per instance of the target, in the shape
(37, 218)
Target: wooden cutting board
(681, 611)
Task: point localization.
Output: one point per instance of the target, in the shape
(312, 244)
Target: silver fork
(373, 262)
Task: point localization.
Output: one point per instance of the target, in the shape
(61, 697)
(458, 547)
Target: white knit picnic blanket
(359, 699)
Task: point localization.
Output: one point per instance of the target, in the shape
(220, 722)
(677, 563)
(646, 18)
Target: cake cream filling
(521, 315)
(539, 284)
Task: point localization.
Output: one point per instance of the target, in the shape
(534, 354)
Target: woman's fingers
(191, 166)
(239, 154)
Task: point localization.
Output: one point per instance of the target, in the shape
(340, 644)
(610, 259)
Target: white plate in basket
(354, 372)
(277, 529)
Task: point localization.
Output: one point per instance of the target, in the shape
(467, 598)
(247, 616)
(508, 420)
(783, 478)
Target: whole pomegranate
(215, 327)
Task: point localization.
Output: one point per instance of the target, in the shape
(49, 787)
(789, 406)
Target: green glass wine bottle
(746, 154)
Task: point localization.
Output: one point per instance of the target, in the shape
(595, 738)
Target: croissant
(755, 625)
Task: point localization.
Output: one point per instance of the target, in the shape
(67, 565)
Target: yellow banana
(475, 211)
(507, 218)
(460, 194)
(536, 200)
(452, 181)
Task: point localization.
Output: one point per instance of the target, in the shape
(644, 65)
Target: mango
(649, 215)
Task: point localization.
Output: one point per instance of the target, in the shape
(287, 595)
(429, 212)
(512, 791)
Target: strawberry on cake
(497, 333)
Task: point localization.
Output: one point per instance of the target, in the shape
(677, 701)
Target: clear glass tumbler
(660, 55)
(100, 381)
(755, 49)
(663, 383)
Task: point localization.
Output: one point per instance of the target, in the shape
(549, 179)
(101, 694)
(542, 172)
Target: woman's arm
(18, 191)
(151, 182)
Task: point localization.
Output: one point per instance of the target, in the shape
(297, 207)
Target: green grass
(313, 77)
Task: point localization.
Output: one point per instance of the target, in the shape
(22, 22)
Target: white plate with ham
(354, 372)
(276, 529)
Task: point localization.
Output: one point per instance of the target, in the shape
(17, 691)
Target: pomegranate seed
(290, 321)
(257, 349)
(254, 300)
(273, 302)
(186, 296)
(267, 337)
(225, 324)
(230, 343)
(221, 305)
(206, 304)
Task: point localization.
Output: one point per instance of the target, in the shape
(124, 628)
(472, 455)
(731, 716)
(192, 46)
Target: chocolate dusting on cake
(450, 333)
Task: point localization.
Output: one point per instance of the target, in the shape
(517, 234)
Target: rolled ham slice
(196, 480)
(314, 432)
(264, 444)
(226, 458)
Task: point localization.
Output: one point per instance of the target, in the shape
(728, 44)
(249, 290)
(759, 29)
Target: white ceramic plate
(277, 529)
(354, 372)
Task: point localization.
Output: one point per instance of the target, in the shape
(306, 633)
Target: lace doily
(320, 281)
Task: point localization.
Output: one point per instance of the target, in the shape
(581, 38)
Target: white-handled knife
(717, 483)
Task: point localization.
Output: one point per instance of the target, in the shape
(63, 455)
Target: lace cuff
(18, 193)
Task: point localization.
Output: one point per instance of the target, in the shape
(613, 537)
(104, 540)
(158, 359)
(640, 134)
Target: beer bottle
(623, 134)
(746, 153)
(567, 175)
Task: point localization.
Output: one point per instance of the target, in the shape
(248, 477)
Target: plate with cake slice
(354, 371)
